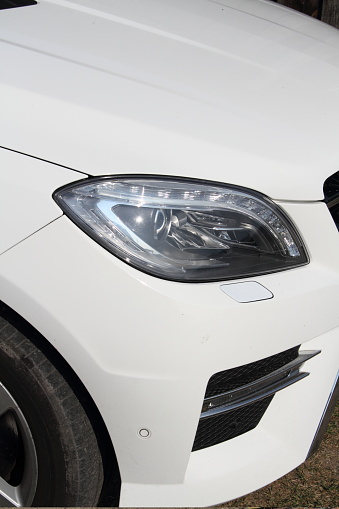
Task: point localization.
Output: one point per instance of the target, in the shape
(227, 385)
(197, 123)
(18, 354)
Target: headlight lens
(184, 230)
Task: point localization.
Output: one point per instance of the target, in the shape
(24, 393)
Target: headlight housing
(184, 230)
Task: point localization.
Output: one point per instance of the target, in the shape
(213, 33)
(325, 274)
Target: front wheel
(49, 454)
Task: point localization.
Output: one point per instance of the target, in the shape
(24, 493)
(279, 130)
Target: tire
(49, 454)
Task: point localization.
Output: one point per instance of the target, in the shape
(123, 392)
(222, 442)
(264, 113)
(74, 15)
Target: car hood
(238, 91)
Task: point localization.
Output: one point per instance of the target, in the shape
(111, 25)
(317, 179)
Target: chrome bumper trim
(325, 418)
(260, 389)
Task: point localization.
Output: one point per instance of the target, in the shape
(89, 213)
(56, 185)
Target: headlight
(184, 230)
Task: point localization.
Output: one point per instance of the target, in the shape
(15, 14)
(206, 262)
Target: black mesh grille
(331, 193)
(10, 4)
(224, 426)
(233, 378)
(331, 187)
(219, 428)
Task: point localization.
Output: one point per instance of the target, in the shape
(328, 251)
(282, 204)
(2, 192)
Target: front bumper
(277, 445)
(145, 349)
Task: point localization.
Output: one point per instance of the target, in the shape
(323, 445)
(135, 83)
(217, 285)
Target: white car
(169, 279)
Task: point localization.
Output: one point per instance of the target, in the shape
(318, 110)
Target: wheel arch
(110, 493)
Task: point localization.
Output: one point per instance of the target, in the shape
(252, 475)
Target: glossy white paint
(227, 471)
(145, 349)
(207, 89)
(223, 90)
(26, 188)
(247, 291)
